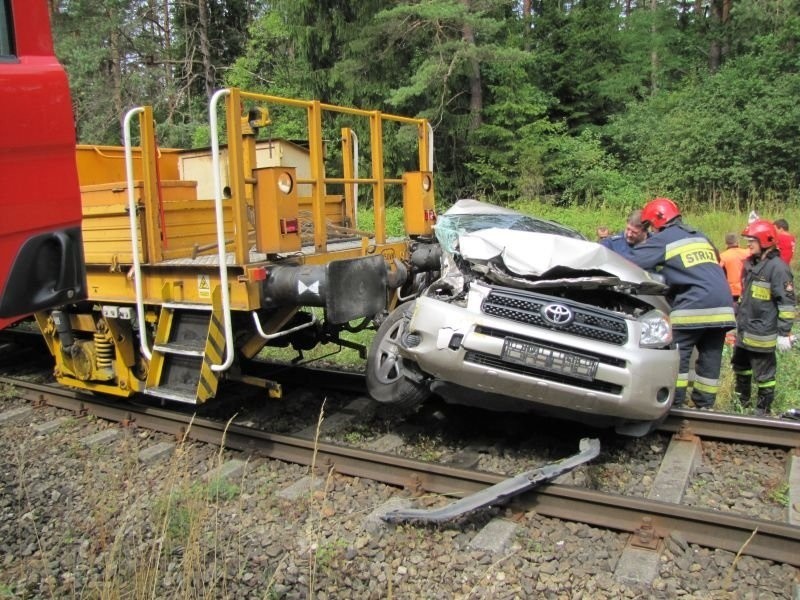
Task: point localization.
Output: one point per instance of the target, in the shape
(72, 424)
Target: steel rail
(783, 433)
(774, 541)
(735, 533)
(768, 431)
(706, 424)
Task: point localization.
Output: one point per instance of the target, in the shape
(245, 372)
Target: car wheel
(391, 379)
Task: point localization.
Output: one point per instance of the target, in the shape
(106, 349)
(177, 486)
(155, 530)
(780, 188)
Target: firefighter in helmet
(699, 296)
(765, 316)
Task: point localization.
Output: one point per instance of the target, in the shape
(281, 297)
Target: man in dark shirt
(635, 233)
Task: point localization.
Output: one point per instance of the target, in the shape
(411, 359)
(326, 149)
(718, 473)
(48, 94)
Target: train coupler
(500, 492)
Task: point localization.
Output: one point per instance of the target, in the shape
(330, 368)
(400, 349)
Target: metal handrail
(97, 150)
(223, 259)
(277, 334)
(137, 267)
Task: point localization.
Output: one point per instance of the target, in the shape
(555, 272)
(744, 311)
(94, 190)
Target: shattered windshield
(450, 226)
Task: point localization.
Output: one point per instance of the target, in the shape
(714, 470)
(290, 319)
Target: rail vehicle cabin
(41, 262)
(196, 259)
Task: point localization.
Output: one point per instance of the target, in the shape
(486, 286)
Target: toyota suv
(526, 314)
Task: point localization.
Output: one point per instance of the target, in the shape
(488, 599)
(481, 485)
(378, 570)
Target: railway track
(729, 427)
(648, 520)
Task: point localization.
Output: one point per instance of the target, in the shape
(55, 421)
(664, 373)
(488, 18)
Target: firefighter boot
(764, 400)
(743, 389)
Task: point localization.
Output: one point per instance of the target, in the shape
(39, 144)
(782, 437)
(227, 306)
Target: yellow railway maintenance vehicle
(195, 259)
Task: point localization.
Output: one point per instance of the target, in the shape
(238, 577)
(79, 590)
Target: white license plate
(549, 359)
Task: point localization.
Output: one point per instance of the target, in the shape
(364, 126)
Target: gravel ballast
(91, 521)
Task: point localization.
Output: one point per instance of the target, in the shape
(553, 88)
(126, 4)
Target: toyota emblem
(557, 314)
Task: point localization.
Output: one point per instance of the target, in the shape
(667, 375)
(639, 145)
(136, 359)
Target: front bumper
(465, 346)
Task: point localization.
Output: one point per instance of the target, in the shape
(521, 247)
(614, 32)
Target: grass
(780, 494)
(176, 521)
(341, 356)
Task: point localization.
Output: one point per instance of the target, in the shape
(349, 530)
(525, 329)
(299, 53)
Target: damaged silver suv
(528, 315)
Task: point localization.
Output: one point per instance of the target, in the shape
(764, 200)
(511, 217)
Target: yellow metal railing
(239, 178)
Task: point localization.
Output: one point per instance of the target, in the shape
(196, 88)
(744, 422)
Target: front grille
(526, 307)
(495, 362)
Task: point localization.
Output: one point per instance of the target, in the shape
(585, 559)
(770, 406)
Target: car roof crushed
(518, 255)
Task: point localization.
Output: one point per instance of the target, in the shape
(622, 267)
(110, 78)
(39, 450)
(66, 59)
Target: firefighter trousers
(709, 342)
(759, 366)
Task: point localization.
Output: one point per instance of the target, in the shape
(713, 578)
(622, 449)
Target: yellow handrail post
(237, 177)
(151, 233)
(379, 195)
(316, 157)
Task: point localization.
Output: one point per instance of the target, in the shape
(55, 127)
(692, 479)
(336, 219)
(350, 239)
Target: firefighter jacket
(767, 304)
(698, 291)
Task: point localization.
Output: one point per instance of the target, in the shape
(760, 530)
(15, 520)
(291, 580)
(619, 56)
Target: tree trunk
(115, 69)
(714, 49)
(654, 50)
(719, 47)
(205, 47)
(475, 87)
(527, 21)
(726, 17)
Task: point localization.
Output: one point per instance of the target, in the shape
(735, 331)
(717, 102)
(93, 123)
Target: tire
(391, 379)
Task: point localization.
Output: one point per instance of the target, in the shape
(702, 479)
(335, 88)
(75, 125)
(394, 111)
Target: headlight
(285, 183)
(427, 182)
(656, 330)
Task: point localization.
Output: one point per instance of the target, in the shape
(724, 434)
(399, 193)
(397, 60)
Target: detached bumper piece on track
(500, 492)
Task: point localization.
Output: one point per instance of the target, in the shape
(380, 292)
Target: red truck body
(41, 255)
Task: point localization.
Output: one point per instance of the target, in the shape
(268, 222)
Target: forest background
(598, 102)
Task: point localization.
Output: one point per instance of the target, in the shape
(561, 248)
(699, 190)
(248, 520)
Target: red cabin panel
(41, 256)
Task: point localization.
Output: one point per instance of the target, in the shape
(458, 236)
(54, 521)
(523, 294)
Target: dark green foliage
(735, 131)
(509, 147)
(587, 101)
(576, 51)
(321, 31)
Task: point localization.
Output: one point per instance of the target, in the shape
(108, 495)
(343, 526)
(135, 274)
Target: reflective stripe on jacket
(698, 290)
(767, 305)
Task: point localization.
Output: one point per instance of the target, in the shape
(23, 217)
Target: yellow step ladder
(189, 339)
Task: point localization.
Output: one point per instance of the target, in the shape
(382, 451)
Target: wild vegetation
(583, 101)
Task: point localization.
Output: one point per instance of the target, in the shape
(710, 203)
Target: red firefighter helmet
(763, 231)
(660, 211)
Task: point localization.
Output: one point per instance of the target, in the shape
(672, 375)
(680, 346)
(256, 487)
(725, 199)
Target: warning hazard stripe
(215, 347)
(216, 339)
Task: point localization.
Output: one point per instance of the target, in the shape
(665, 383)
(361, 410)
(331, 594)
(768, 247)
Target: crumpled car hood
(530, 259)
